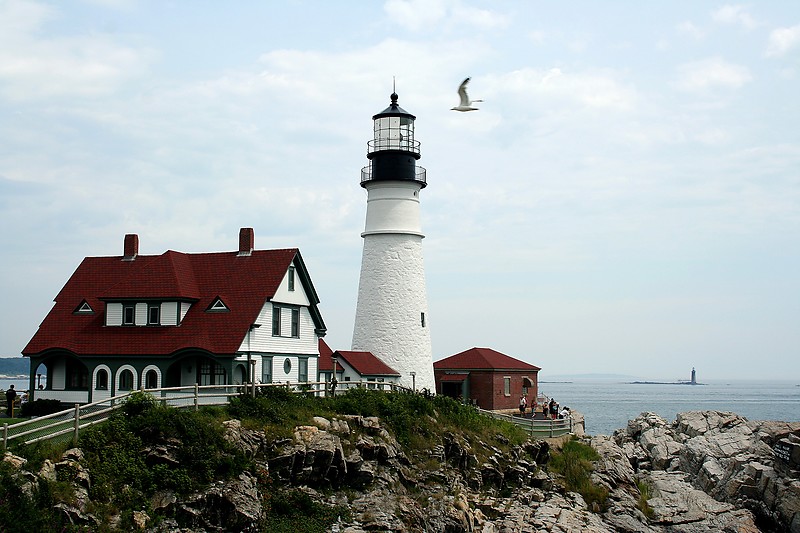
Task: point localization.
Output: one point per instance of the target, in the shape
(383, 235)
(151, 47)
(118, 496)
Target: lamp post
(251, 365)
(333, 379)
(414, 381)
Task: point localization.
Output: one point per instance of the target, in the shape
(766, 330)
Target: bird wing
(462, 93)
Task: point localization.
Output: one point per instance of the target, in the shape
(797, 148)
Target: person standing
(11, 395)
(523, 404)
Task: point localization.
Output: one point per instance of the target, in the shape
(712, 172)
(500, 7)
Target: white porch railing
(536, 428)
(70, 422)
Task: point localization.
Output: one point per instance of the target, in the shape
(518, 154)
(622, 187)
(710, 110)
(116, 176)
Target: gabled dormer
(83, 309)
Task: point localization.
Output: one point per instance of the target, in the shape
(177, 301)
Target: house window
(151, 379)
(276, 321)
(128, 314)
(154, 314)
(211, 373)
(371, 383)
(302, 369)
(102, 380)
(266, 370)
(295, 323)
(287, 366)
(507, 386)
(291, 278)
(126, 380)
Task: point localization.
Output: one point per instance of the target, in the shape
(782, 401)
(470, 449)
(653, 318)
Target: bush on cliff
(574, 464)
(192, 452)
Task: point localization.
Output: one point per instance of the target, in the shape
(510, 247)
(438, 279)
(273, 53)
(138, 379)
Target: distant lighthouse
(392, 310)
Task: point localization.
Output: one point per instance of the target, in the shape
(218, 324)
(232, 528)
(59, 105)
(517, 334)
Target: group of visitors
(550, 410)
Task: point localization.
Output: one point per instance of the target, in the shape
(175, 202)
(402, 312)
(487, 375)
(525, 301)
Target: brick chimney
(247, 241)
(131, 247)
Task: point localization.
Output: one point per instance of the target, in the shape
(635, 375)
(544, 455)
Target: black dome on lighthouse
(394, 110)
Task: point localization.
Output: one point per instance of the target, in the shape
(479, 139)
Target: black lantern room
(393, 152)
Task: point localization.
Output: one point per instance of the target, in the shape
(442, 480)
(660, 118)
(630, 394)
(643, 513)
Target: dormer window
(153, 314)
(84, 309)
(217, 306)
(128, 314)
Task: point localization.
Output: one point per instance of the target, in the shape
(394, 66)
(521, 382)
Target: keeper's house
(486, 377)
(176, 319)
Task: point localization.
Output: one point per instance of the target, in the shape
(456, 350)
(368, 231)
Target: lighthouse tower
(392, 310)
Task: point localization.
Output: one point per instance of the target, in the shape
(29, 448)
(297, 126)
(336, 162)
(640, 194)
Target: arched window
(102, 379)
(151, 379)
(126, 380)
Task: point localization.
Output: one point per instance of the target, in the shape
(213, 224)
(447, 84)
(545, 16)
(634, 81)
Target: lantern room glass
(394, 133)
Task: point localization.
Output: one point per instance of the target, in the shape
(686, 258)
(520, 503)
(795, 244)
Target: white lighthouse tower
(392, 310)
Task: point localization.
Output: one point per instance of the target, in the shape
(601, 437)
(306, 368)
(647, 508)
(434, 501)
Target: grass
(574, 464)
(645, 493)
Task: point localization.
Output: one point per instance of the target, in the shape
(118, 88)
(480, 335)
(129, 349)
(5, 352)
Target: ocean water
(608, 405)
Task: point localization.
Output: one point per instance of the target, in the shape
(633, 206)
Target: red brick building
(487, 377)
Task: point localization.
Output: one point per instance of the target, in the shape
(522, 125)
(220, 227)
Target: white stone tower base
(392, 311)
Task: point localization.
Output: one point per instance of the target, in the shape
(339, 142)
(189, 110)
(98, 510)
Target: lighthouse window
(422, 318)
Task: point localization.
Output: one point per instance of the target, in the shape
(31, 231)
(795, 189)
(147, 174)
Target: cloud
(421, 14)
(32, 67)
(595, 89)
(707, 74)
(689, 28)
(734, 15)
(782, 40)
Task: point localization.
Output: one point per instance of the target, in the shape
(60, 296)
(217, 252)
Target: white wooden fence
(71, 421)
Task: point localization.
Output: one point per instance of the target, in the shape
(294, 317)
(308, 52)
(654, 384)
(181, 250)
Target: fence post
(196, 395)
(5, 436)
(77, 424)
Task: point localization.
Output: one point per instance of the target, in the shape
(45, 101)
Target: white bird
(466, 103)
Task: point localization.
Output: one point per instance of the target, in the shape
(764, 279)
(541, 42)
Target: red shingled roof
(246, 282)
(366, 364)
(325, 361)
(482, 358)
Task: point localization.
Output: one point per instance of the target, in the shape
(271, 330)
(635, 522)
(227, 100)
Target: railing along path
(71, 421)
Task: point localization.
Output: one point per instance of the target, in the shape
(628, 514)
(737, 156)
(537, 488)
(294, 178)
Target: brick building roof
(482, 359)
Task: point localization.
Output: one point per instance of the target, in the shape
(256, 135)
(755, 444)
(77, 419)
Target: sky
(626, 200)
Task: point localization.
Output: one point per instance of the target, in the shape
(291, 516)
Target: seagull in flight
(466, 103)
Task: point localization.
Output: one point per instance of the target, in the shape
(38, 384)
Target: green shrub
(574, 464)
(293, 511)
(22, 513)
(115, 458)
(41, 408)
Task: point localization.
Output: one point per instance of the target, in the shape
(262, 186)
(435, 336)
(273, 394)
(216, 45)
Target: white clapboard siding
(296, 297)
(261, 339)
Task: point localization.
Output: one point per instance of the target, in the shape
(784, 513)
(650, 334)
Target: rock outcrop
(706, 472)
(707, 461)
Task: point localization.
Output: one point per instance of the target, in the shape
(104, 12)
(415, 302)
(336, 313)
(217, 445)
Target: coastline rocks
(738, 462)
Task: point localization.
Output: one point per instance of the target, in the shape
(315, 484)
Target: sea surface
(608, 405)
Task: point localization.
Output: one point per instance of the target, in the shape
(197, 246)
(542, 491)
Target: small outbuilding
(487, 378)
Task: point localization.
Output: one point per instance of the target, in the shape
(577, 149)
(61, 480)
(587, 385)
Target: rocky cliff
(705, 472)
